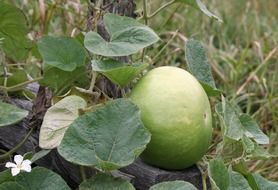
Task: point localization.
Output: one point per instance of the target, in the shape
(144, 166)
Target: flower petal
(15, 171)
(28, 162)
(26, 166)
(10, 165)
(18, 159)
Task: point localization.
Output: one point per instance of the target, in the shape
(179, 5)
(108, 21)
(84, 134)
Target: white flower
(19, 165)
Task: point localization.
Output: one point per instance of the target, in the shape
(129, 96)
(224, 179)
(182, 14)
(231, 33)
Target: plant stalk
(5, 70)
(161, 8)
(145, 16)
(82, 173)
(145, 9)
(11, 88)
(93, 81)
(204, 177)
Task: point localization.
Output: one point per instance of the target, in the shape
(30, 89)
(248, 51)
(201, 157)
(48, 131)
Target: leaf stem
(20, 84)
(3, 151)
(93, 81)
(145, 16)
(145, 9)
(5, 71)
(204, 181)
(204, 177)
(13, 150)
(49, 16)
(83, 173)
(161, 8)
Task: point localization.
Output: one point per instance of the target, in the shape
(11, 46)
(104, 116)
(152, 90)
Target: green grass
(242, 54)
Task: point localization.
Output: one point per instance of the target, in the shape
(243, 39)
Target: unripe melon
(176, 110)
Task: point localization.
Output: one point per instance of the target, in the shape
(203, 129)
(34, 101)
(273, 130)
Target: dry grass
(243, 52)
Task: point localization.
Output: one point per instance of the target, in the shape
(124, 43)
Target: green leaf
(237, 181)
(174, 185)
(231, 123)
(109, 138)
(261, 153)
(10, 114)
(61, 81)
(1, 41)
(28, 155)
(118, 72)
(57, 120)
(253, 130)
(18, 76)
(1, 72)
(64, 53)
(11, 186)
(42, 179)
(105, 182)
(199, 5)
(6, 176)
(198, 65)
(240, 166)
(264, 184)
(39, 155)
(127, 36)
(252, 182)
(13, 30)
(218, 174)
(248, 144)
(189, 2)
(231, 148)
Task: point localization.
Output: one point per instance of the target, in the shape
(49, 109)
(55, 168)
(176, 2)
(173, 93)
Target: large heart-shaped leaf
(11, 186)
(109, 138)
(201, 6)
(64, 53)
(127, 36)
(174, 185)
(105, 182)
(42, 179)
(13, 31)
(10, 114)
(57, 119)
(118, 72)
(197, 61)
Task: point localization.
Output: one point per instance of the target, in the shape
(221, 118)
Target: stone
(144, 176)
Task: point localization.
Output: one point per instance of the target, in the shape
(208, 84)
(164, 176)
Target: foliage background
(242, 51)
(246, 42)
